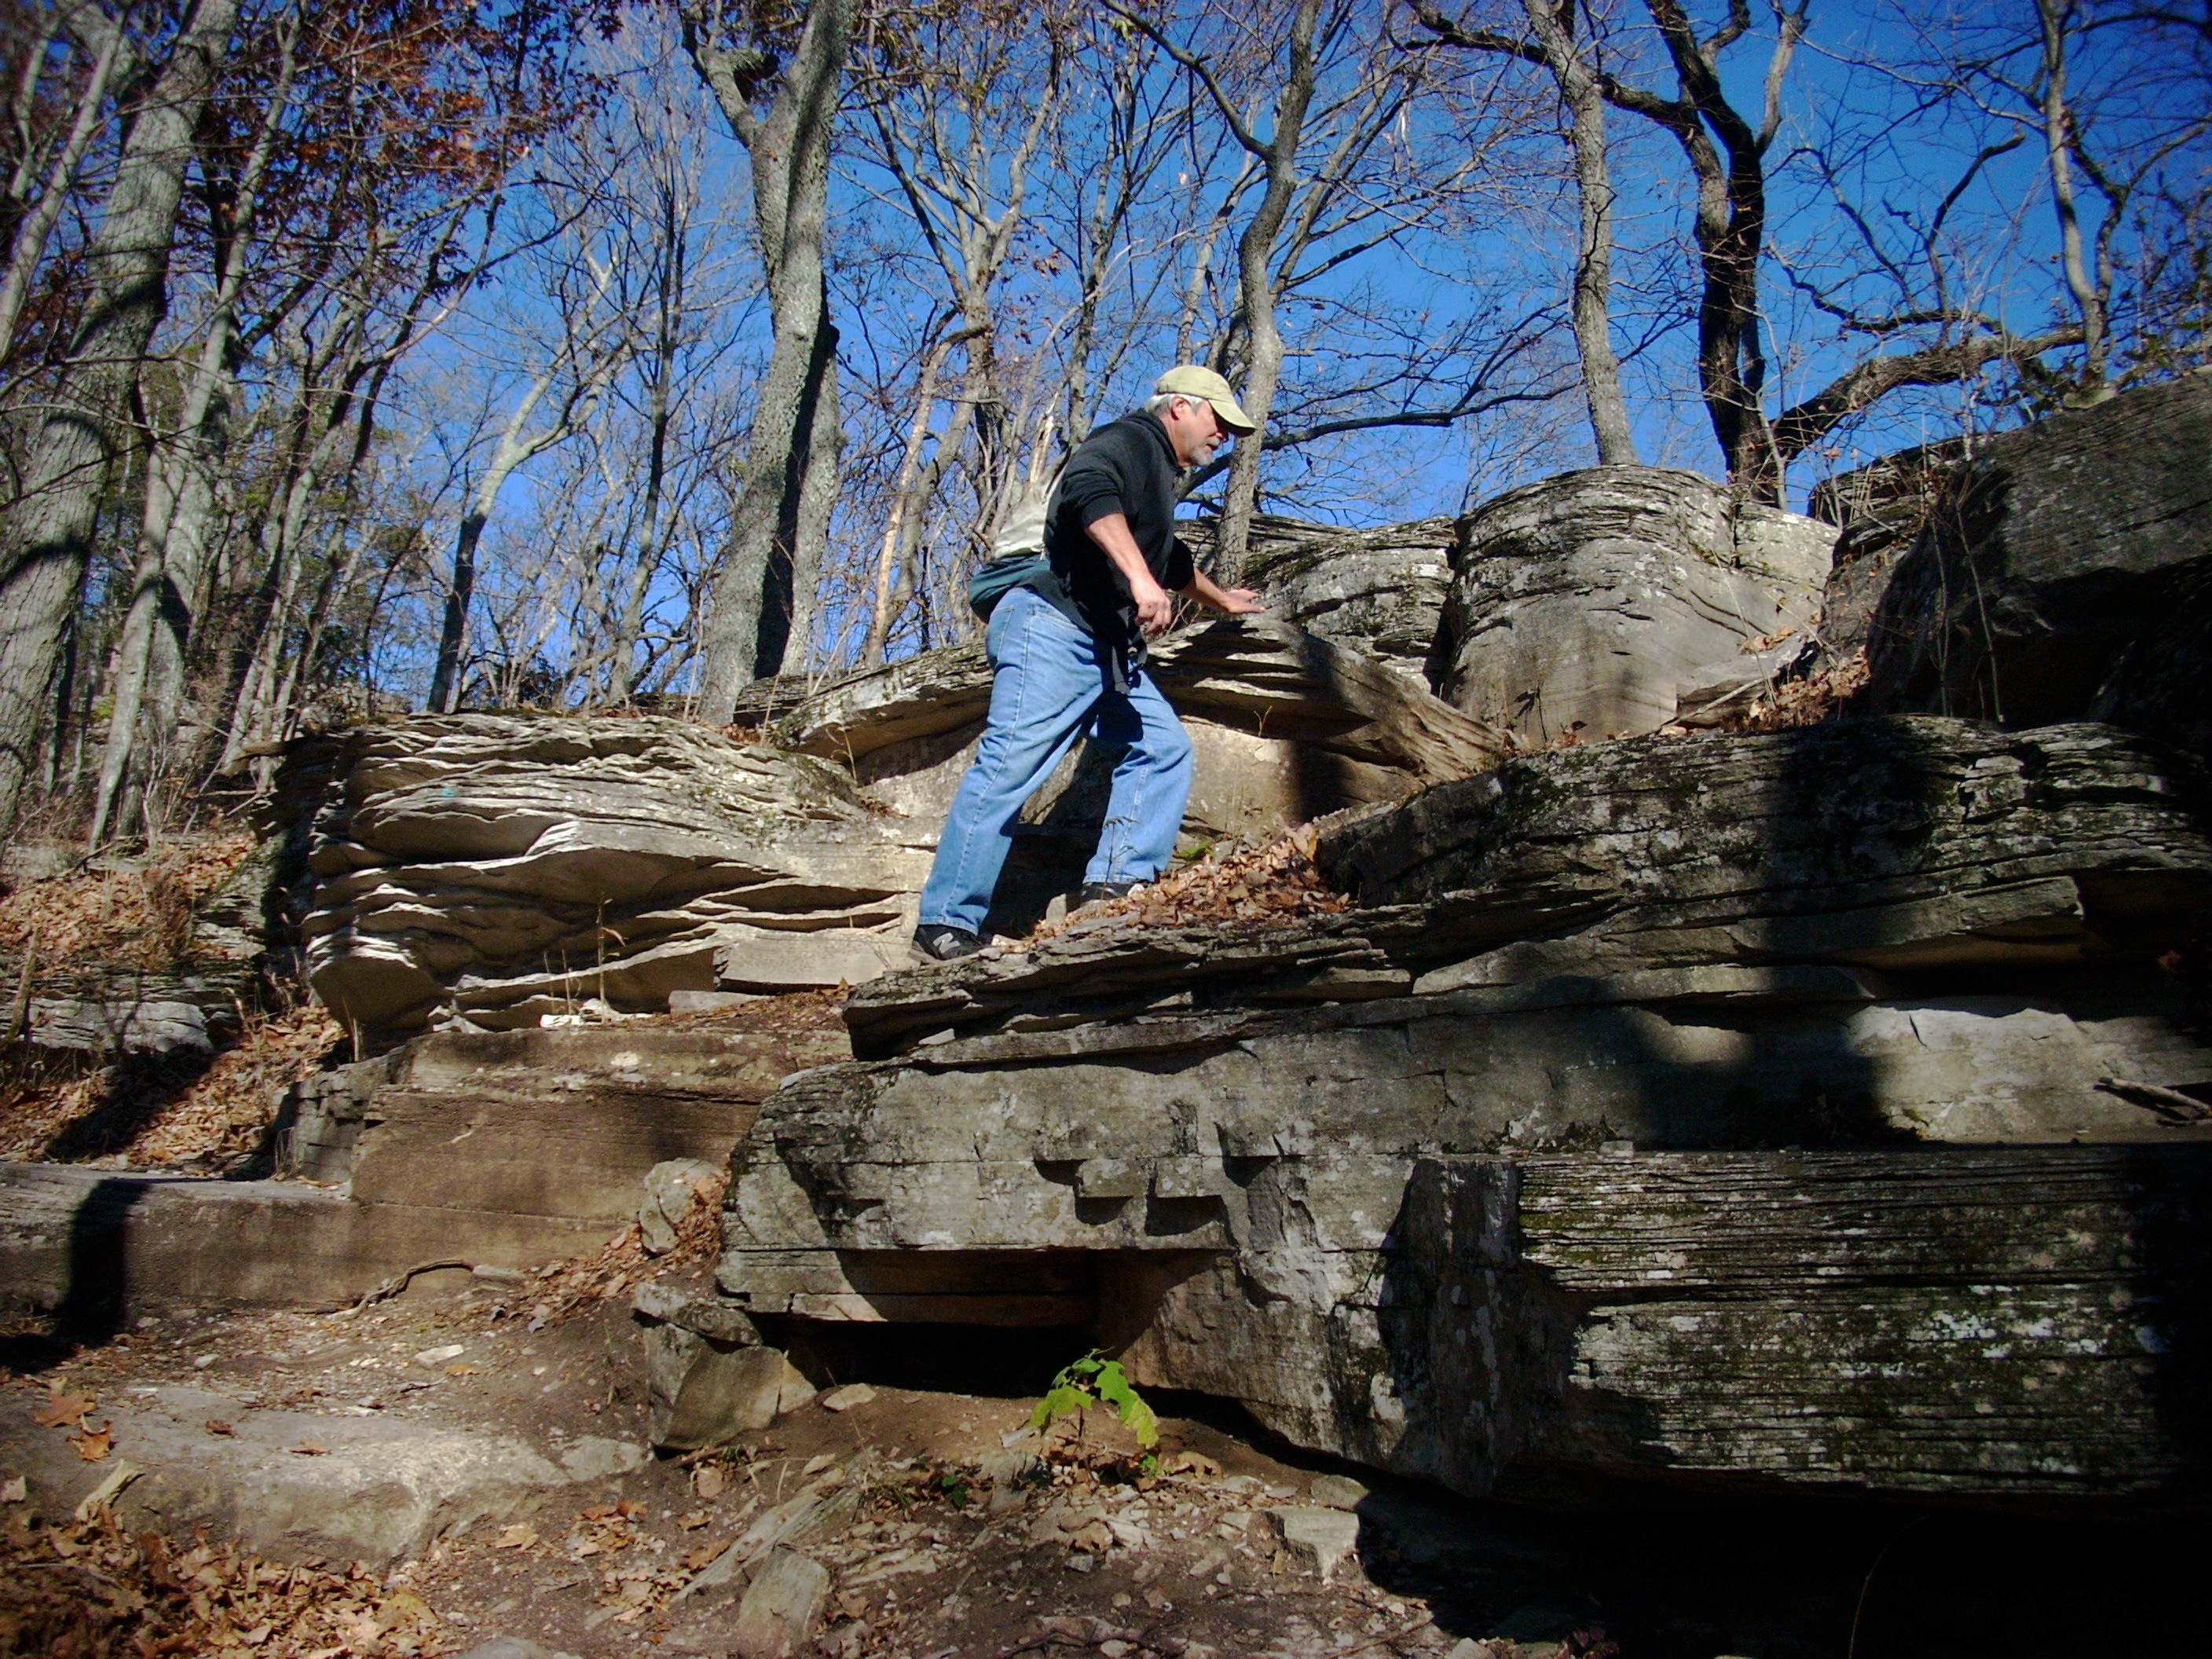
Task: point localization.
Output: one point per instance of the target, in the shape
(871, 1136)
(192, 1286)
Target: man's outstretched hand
(1230, 601)
(1242, 602)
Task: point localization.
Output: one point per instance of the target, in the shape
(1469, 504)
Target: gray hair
(1158, 403)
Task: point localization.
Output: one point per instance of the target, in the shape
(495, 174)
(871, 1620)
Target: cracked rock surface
(1384, 1176)
(484, 871)
(1586, 605)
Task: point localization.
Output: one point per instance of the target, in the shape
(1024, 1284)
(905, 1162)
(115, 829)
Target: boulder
(386, 1486)
(2064, 572)
(1583, 606)
(1378, 591)
(486, 871)
(1564, 1155)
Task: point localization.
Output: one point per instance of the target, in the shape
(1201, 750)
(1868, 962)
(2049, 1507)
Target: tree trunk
(272, 604)
(1256, 291)
(2051, 17)
(918, 479)
(1730, 225)
(48, 535)
(781, 520)
(37, 228)
(179, 513)
(1593, 280)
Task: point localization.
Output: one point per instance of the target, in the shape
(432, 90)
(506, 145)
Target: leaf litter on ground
(1273, 881)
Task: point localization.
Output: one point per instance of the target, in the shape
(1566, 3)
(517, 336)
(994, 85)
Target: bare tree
(759, 600)
(33, 218)
(1307, 42)
(1337, 179)
(2113, 94)
(1551, 43)
(180, 482)
(957, 114)
(49, 529)
(595, 339)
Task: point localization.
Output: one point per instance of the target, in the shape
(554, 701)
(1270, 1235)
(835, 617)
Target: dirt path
(946, 1529)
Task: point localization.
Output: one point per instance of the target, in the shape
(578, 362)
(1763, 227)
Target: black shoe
(942, 942)
(1104, 892)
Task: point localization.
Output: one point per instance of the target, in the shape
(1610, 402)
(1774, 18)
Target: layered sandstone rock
(1902, 846)
(1704, 1109)
(2066, 571)
(1586, 606)
(1380, 591)
(492, 869)
(496, 870)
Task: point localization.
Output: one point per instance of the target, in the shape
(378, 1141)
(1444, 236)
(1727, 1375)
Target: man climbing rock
(1066, 648)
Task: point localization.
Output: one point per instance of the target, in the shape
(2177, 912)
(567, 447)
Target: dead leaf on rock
(696, 1561)
(94, 1444)
(308, 1448)
(710, 1480)
(17, 1491)
(63, 1411)
(216, 1425)
(403, 1607)
(516, 1537)
(690, 1523)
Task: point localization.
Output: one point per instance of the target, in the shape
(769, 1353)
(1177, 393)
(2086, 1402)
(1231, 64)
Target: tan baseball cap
(1190, 380)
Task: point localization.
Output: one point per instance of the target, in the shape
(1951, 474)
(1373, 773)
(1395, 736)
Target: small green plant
(1090, 1381)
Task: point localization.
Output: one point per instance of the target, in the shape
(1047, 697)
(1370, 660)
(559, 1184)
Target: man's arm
(1154, 609)
(1235, 601)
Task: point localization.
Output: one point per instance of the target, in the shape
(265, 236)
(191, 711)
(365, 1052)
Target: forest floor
(951, 1530)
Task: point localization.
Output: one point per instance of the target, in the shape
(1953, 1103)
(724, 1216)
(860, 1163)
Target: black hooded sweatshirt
(1128, 467)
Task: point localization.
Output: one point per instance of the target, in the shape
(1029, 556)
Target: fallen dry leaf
(403, 1607)
(690, 1523)
(710, 1480)
(216, 1425)
(94, 1444)
(308, 1448)
(516, 1537)
(63, 1411)
(694, 1560)
(17, 1491)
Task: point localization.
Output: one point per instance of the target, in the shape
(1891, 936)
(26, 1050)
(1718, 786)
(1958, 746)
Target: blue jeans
(1049, 688)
